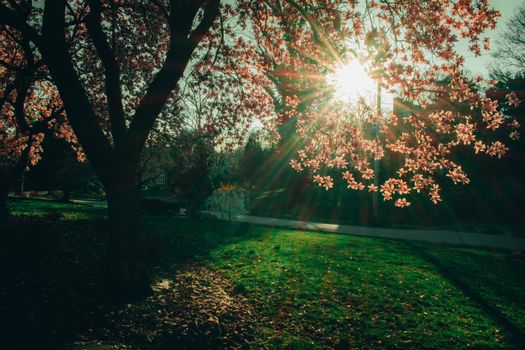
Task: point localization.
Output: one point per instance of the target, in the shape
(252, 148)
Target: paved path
(431, 236)
(90, 202)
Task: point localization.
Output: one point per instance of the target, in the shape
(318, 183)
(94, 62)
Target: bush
(227, 202)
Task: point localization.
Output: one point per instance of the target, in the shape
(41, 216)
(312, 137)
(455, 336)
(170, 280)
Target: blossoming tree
(407, 48)
(30, 108)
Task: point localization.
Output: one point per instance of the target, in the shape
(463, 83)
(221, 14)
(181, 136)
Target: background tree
(74, 177)
(219, 99)
(253, 159)
(190, 176)
(30, 109)
(509, 54)
(158, 156)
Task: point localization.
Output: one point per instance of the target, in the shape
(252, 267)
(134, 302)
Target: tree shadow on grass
(467, 274)
(49, 276)
(51, 271)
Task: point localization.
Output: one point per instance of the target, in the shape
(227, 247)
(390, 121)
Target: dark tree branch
(320, 36)
(9, 66)
(80, 112)
(210, 14)
(28, 52)
(182, 43)
(111, 70)
(25, 79)
(12, 19)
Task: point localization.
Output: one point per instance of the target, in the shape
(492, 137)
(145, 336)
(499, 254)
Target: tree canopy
(407, 48)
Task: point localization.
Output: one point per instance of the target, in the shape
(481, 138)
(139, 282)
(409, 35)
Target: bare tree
(510, 52)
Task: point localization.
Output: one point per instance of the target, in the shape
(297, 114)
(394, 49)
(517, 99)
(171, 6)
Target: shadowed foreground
(238, 286)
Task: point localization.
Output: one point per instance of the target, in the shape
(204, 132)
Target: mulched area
(198, 309)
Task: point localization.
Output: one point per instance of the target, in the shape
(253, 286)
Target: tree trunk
(4, 192)
(129, 270)
(11, 178)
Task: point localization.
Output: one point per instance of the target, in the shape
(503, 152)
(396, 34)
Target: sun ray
(352, 84)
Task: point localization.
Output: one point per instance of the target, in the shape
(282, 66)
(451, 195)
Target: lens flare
(352, 84)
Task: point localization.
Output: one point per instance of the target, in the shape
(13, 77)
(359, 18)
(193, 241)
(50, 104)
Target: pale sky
(478, 65)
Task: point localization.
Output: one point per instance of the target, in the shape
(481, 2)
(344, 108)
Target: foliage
(189, 177)
(78, 177)
(164, 145)
(253, 158)
(29, 103)
(228, 176)
(226, 167)
(119, 68)
(407, 48)
(59, 169)
(115, 67)
(228, 201)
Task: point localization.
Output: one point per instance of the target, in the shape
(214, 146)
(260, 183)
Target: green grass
(319, 291)
(331, 290)
(42, 208)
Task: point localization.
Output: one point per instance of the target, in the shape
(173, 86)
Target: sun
(352, 84)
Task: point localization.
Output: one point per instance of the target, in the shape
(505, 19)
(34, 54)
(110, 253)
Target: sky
(478, 65)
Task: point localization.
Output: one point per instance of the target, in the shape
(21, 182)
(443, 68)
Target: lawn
(230, 285)
(322, 290)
